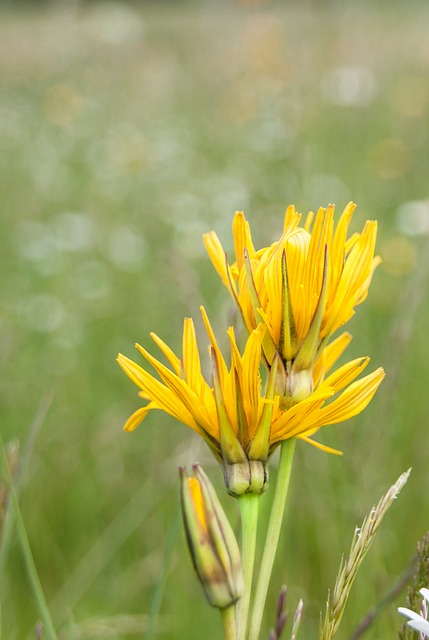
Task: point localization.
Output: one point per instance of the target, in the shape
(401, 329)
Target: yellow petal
(363, 291)
(137, 417)
(346, 374)
(222, 368)
(164, 398)
(199, 407)
(338, 246)
(217, 254)
(292, 219)
(356, 272)
(329, 357)
(335, 349)
(250, 379)
(352, 401)
(242, 238)
(219, 260)
(298, 419)
(191, 357)
(169, 354)
(323, 447)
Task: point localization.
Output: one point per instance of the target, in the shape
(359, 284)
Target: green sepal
(288, 343)
(259, 476)
(248, 477)
(242, 424)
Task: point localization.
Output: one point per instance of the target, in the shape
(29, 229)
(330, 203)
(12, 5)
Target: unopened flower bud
(211, 540)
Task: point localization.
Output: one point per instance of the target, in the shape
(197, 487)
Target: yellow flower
(303, 287)
(230, 413)
(242, 424)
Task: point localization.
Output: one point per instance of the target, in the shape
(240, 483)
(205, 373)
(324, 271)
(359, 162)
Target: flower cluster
(284, 384)
(292, 296)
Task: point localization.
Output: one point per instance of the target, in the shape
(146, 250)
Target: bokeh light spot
(92, 280)
(413, 217)
(126, 249)
(62, 104)
(349, 86)
(391, 159)
(399, 255)
(44, 312)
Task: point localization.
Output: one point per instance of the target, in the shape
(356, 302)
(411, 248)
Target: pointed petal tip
(196, 467)
(130, 426)
(123, 362)
(381, 372)
(425, 593)
(407, 612)
(322, 447)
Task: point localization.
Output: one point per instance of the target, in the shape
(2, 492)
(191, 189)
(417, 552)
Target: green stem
(229, 626)
(273, 534)
(26, 550)
(249, 507)
(18, 476)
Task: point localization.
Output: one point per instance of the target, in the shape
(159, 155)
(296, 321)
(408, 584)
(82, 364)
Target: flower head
(242, 421)
(211, 540)
(303, 287)
(232, 414)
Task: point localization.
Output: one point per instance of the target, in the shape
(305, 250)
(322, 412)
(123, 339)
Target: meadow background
(127, 130)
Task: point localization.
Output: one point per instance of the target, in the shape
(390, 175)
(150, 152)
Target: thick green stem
(249, 507)
(26, 550)
(229, 623)
(273, 534)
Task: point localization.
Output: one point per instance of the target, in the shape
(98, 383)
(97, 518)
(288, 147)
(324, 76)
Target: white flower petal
(409, 614)
(421, 625)
(425, 593)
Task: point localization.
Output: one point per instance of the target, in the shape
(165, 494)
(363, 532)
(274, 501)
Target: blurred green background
(126, 132)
